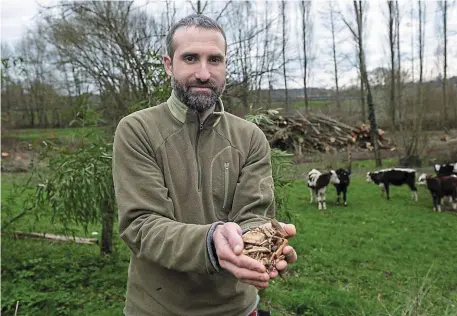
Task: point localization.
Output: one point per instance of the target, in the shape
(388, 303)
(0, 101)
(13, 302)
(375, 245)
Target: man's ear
(168, 65)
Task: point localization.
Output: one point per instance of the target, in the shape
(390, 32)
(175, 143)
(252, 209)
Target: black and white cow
(317, 184)
(440, 187)
(394, 176)
(446, 169)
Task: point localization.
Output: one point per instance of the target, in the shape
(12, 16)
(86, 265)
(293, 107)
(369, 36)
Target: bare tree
(443, 7)
(392, 16)
(332, 26)
(414, 139)
(399, 70)
(284, 58)
(357, 32)
(199, 9)
(307, 38)
(115, 45)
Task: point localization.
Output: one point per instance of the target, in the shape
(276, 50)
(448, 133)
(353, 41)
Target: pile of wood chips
(317, 133)
(265, 244)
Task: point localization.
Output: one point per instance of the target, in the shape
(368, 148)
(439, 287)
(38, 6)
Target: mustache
(201, 84)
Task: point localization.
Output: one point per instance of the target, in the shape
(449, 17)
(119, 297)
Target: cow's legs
(414, 191)
(435, 202)
(321, 199)
(386, 188)
(345, 197)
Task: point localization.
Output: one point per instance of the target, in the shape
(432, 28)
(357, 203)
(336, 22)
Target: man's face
(198, 66)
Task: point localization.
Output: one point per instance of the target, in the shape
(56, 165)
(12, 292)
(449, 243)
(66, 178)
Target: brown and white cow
(440, 187)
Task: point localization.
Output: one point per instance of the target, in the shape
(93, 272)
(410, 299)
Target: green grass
(371, 258)
(348, 257)
(62, 134)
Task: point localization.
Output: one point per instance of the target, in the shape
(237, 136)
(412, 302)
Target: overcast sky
(17, 16)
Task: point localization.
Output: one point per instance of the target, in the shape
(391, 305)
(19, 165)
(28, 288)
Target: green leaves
(281, 162)
(78, 183)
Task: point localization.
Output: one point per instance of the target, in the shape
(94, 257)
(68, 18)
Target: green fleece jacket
(174, 178)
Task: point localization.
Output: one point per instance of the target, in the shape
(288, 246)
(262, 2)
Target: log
(59, 238)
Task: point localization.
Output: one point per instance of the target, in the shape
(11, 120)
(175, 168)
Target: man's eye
(190, 59)
(215, 60)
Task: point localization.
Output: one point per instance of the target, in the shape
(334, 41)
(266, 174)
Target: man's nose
(203, 74)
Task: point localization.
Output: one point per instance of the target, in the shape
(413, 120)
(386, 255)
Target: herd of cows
(441, 185)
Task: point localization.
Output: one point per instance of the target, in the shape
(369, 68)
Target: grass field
(375, 257)
(63, 135)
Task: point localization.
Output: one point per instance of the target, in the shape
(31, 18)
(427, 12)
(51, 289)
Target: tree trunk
(283, 13)
(399, 75)
(362, 95)
(391, 5)
(335, 64)
(364, 76)
(106, 242)
(445, 98)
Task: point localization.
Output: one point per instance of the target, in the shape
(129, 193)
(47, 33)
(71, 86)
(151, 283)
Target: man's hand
(229, 248)
(288, 252)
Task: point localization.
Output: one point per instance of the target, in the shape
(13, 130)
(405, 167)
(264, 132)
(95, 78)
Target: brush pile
(315, 133)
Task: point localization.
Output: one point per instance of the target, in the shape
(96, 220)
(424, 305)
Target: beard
(197, 100)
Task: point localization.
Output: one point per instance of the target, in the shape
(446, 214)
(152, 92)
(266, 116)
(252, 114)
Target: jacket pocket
(226, 184)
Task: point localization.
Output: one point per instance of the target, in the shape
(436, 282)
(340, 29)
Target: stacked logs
(316, 133)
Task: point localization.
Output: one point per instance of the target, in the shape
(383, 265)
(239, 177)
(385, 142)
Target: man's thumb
(234, 238)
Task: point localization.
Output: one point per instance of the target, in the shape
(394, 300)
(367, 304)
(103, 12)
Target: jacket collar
(181, 111)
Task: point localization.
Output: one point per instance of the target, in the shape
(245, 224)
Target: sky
(18, 15)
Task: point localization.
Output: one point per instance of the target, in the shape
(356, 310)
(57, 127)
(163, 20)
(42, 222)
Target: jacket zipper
(226, 184)
(199, 176)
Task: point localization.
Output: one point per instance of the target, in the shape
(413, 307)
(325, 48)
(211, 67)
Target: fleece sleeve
(146, 214)
(253, 202)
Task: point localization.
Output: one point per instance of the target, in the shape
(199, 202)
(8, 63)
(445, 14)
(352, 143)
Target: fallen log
(53, 237)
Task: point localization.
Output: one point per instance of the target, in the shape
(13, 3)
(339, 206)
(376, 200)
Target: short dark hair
(197, 20)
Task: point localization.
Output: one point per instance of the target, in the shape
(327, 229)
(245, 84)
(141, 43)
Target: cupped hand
(289, 253)
(229, 246)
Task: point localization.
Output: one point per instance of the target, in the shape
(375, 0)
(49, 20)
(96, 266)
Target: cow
(317, 184)
(446, 169)
(344, 177)
(440, 187)
(394, 176)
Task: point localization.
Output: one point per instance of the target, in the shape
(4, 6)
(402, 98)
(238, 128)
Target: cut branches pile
(315, 133)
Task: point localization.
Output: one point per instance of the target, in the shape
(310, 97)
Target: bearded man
(190, 178)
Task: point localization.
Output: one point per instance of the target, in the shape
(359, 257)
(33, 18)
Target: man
(189, 179)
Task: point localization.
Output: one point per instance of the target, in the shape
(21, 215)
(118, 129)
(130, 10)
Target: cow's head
(437, 167)
(343, 175)
(334, 177)
(374, 177)
(422, 180)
